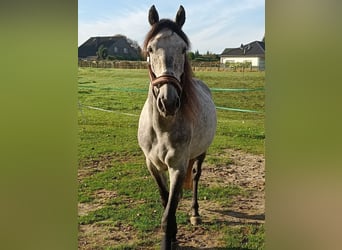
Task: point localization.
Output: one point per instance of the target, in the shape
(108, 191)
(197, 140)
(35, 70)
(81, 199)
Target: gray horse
(178, 121)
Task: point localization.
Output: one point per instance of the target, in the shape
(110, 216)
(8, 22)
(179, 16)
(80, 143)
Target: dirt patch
(246, 171)
(100, 198)
(198, 237)
(99, 235)
(92, 166)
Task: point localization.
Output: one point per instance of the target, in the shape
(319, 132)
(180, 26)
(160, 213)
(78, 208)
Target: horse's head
(165, 47)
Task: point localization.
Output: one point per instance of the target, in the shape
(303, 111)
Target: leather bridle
(158, 82)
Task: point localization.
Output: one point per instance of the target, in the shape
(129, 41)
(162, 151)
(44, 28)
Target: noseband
(164, 79)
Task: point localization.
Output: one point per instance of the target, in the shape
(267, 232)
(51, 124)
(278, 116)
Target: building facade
(253, 53)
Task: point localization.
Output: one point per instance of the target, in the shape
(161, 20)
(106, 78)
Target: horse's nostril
(178, 103)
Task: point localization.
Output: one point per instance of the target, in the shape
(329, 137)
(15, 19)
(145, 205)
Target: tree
(134, 44)
(102, 52)
(191, 55)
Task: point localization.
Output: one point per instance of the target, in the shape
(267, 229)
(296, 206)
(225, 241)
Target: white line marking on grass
(110, 111)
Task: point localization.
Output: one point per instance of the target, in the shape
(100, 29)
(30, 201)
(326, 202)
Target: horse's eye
(149, 49)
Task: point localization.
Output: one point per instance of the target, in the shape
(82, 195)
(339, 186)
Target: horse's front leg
(168, 223)
(161, 181)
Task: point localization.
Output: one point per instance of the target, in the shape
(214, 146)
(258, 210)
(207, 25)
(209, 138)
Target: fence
(145, 90)
(113, 64)
(196, 66)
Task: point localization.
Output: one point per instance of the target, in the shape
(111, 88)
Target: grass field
(119, 205)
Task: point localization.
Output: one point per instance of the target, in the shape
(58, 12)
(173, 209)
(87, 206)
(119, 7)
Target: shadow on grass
(210, 248)
(254, 219)
(240, 215)
(246, 219)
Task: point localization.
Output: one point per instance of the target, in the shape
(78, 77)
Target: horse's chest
(167, 149)
(158, 155)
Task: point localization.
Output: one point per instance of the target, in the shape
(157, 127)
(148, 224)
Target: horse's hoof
(174, 245)
(195, 220)
(169, 243)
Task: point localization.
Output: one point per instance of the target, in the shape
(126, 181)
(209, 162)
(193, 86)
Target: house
(110, 47)
(253, 52)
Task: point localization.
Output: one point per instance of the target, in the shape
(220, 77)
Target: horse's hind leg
(195, 218)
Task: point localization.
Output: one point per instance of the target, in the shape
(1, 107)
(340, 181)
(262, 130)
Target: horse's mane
(189, 99)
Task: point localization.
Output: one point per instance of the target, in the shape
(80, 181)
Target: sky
(211, 25)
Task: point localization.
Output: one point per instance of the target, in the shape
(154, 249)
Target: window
(115, 50)
(125, 50)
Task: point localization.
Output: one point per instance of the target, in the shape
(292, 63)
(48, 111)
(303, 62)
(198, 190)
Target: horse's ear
(180, 17)
(153, 16)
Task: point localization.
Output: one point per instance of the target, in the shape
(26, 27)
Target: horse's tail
(187, 184)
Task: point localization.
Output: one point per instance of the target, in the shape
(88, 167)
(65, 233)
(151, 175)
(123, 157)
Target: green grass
(245, 237)
(114, 134)
(102, 132)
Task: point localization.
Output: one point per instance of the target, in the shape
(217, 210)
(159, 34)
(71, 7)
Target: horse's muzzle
(168, 106)
(168, 101)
